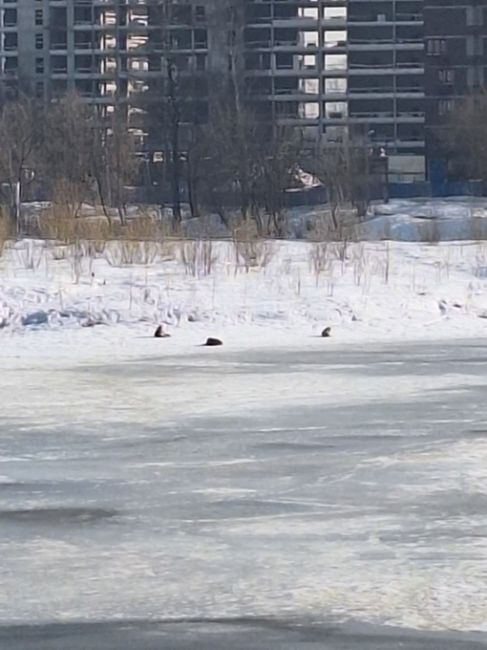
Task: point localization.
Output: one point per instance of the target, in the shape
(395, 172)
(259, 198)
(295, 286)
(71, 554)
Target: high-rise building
(296, 62)
(9, 47)
(456, 66)
(90, 47)
(343, 68)
(385, 72)
(385, 68)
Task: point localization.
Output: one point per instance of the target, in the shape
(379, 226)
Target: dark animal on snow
(160, 333)
(212, 342)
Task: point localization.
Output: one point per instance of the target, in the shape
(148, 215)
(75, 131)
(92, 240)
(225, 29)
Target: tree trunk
(101, 196)
(174, 139)
(192, 193)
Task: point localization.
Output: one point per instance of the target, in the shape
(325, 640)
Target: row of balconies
(365, 45)
(307, 69)
(287, 95)
(108, 50)
(346, 70)
(310, 22)
(368, 118)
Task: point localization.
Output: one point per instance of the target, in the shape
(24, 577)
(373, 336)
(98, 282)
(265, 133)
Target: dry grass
(198, 257)
(142, 240)
(58, 225)
(251, 251)
(126, 252)
(319, 257)
(30, 255)
(6, 231)
(143, 228)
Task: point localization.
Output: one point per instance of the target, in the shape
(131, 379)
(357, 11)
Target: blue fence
(435, 190)
(428, 189)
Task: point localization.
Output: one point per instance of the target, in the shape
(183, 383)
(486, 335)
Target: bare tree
(166, 109)
(174, 109)
(67, 153)
(114, 163)
(278, 156)
(343, 170)
(196, 158)
(122, 161)
(247, 163)
(231, 168)
(19, 144)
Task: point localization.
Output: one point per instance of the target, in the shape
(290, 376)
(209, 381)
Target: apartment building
(385, 66)
(343, 68)
(385, 72)
(295, 63)
(455, 66)
(17, 21)
(90, 47)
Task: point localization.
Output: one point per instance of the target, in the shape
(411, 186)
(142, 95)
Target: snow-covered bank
(421, 219)
(269, 293)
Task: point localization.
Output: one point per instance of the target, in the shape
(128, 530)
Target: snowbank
(374, 290)
(452, 219)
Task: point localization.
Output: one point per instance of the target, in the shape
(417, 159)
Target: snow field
(369, 289)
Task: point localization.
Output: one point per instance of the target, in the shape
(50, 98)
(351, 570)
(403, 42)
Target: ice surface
(282, 490)
(277, 495)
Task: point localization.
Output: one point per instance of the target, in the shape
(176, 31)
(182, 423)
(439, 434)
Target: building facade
(296, 62)
(343, 68)
(385, 72)
(455, 67)
(386, 80)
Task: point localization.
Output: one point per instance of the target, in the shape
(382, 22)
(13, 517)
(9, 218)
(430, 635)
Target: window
(59, 64)
(200, 39)
(11, 64)
(39, 89)
(446, 106)
(10, 18)
(200, 13)
(284, 61)
(39, 65)
(10, 42)
(39, 41)
(39, 18)
(436, 46)
(82, 16)
(82, 63)
(446, 76)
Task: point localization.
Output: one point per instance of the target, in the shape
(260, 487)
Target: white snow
(368, 290)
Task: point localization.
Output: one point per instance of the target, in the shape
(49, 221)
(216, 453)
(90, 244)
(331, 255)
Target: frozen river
(328, 498)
